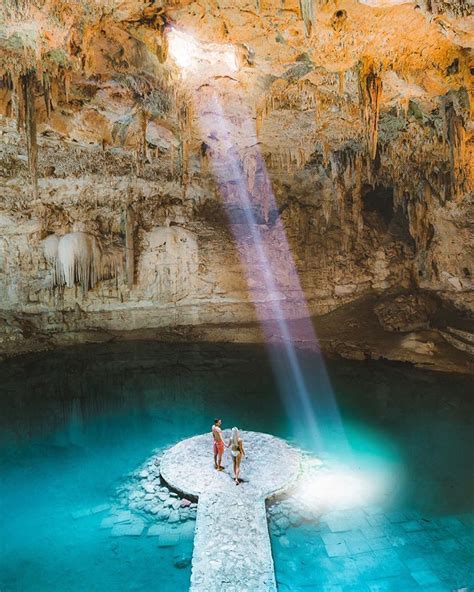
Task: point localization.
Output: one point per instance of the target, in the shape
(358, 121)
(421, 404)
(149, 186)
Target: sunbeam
(266, 255)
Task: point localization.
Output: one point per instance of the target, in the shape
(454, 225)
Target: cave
(379, 201)
(236, 296)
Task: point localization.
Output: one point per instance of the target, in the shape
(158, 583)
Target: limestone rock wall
(187, 265)
(350, 122)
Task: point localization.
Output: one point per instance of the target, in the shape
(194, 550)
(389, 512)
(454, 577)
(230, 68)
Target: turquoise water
(76, 422)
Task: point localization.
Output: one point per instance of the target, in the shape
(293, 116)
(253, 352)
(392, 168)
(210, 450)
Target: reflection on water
(73, 423)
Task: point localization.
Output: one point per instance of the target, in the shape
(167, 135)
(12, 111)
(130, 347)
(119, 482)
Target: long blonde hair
(235, 435)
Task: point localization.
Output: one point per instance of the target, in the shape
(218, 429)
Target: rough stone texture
(231, 546)
(359, 112)
(407, 312)
(461, 340)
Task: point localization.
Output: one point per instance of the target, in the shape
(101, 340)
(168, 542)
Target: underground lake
(392, 508)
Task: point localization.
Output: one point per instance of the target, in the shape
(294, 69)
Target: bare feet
(220, 468)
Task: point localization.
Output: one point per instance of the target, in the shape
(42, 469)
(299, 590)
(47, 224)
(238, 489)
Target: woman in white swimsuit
(236, 445)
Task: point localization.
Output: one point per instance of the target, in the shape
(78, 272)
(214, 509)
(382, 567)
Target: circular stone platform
(269, 467)
(232, 550)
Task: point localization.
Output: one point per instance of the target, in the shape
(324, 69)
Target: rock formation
(113, 115)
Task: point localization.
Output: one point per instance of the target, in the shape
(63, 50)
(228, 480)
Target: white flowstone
(231, 545)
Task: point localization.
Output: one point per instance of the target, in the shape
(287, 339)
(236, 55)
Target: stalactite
(111, 264)
(340, 202)
(250, 165)
(397, 197)
(6, 95)
(326, 153)
(307, 14)
(301, 95)
(185, 116)
(129, 245)
(78, 259)
(50, 251)
(341, 81)
(162, 48)
(184, 162)
(368, 171)
(267, 193)
(28, 107)
(455, 137)
(19, 103)
(204, 153)
(140, 153)
(327, 210)
(357, 217)
(258, 120)
(370, 88)
(67, 77)
(172, 154)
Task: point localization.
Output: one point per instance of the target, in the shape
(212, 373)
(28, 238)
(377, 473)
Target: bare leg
(234, 460)
(237, 472)
(215, 461)
(219, 461)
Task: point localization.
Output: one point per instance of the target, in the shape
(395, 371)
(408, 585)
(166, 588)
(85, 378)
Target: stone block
(379, 543)
(90, 511)
(411, 526)
(393, 584)
(157, 529)
(108, 522)
(133, 529)
(174, 516)
(123, 516)
(448, 545)
(425, 577)
(168, 540)
(336, 549)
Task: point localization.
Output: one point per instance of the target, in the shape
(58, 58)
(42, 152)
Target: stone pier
(232, 551)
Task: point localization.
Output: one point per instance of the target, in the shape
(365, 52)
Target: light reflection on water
(74, 423)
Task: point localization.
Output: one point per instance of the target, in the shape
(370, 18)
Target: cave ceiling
(381, 85)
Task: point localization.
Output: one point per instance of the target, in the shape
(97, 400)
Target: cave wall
(187, 266)
(361, 129)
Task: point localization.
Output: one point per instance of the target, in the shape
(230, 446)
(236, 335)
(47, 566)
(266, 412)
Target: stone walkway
(232, 549)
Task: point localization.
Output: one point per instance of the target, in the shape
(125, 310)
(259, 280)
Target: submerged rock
(182, 562)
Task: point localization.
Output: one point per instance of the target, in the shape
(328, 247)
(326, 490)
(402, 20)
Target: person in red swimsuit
(218, 444)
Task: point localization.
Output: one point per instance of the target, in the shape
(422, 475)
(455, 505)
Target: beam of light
(344, 488)
(272, 277)
(191, 56)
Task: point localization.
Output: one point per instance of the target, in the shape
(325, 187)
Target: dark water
(75, 422)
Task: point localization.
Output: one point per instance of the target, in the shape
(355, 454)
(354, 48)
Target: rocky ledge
(403, 327)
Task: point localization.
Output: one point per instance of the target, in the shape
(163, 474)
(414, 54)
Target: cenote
(75, 423)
